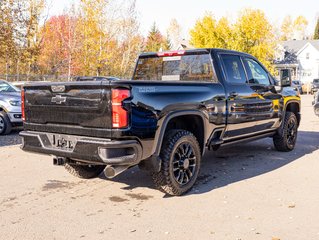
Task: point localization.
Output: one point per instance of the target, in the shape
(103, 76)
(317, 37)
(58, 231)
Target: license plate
(62, 142)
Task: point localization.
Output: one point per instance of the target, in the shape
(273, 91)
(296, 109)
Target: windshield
(175, 68)
(7, 87)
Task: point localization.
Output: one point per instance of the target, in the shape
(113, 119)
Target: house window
(307, 55)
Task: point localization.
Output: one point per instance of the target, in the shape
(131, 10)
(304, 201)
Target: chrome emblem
(58, 99)
(59, 88)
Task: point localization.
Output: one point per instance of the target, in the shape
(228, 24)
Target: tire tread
(81, 171)
(280, 140)
(162, 179)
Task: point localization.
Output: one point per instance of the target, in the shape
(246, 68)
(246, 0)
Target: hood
(10, 95)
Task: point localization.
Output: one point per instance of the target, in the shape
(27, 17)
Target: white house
(301, 57)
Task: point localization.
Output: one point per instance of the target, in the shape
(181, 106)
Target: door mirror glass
(285, 77)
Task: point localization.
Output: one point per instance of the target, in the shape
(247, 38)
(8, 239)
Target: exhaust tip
(113, 171)
(109, 172)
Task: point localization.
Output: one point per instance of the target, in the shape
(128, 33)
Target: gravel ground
(12, 139)
(244, 192)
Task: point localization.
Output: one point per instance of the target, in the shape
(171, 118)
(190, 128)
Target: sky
(188, 11)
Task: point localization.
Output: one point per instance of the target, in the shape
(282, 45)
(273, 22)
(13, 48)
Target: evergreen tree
(167, 44)
(154, 40)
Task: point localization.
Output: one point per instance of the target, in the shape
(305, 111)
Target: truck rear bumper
(85, 149)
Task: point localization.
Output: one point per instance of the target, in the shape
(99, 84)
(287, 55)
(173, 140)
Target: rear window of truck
(175, 68)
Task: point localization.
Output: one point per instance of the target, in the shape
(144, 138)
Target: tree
(174, 33)
(208, 32)
(31, 38)
(130, 42)
(94, 39)
(251, 33)
(166, 44)
(300, 24)
(286, 29)
(61, 45)
(20, 35)
(154, 40)
(7, 32)
(316, 33)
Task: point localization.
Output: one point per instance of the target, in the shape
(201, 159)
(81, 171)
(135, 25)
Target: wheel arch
(293, 106)
(192, 120)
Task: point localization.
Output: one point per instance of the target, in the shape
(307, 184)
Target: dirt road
(244, 192)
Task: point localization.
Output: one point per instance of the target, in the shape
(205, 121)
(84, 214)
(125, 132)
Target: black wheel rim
(184, 163)
(1, 124)
(291, 132)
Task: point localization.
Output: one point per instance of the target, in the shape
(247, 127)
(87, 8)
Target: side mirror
(285, 78)
(285, 82)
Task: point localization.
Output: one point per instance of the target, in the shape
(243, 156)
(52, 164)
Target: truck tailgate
(70, 107)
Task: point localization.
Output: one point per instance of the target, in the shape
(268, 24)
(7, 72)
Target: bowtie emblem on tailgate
(58, 99)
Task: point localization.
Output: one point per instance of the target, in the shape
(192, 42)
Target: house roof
(296, 45)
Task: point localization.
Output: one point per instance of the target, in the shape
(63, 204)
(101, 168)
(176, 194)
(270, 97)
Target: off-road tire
(84, 171)
(5, 124)
(282, 140)
(165, 180)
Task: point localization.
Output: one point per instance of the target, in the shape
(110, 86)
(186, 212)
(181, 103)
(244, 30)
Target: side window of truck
(233, 69)
(255, 72)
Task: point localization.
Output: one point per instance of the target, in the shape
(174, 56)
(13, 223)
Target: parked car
(177, 105)
(10, 107)
(18, 84)
(314, 86)
(297, 85)
(315, 103)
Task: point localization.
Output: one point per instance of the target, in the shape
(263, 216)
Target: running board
(248, 139)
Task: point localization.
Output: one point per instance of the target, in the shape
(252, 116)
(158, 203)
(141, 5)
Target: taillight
(22, 105)
(171, 53)
(119, 114)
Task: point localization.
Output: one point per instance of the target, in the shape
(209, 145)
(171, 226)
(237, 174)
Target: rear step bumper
(86, 149)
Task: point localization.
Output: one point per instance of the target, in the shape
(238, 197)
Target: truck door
(250, 101)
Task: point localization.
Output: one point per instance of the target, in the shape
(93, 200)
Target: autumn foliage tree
(101, 38)
(92, 41)
(7, 32)
(293, 28)
(251, 33)
(209, 32)
(155, 41)
(254, 35)
(61, 46)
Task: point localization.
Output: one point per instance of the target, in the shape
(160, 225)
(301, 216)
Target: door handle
(233, 94)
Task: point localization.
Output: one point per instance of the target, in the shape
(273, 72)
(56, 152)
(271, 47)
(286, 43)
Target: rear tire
(181, 158)
(285, 140)
(84, 171)
(5, 124)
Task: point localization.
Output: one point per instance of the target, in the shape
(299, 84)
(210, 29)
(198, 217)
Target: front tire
(286, 138)
(5, 124)
(181, 158)
(84, 171)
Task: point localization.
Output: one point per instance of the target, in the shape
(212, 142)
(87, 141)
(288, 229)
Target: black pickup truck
(177, 105)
